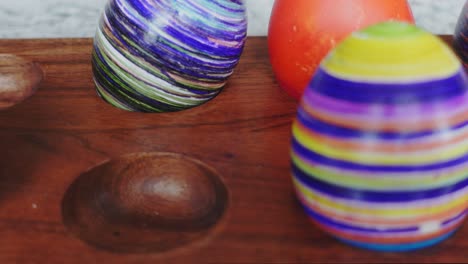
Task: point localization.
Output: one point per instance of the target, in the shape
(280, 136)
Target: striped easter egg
(380, 143)
(461, 35)
(167, 55)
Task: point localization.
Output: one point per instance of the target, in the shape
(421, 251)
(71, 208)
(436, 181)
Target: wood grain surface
(64, 130)
(19, 79)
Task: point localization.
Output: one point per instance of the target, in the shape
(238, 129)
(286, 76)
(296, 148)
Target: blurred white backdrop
(78, 18)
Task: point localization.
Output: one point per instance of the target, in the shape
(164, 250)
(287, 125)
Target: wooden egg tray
(230, 156)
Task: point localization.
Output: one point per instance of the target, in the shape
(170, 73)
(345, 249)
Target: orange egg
(302, 32)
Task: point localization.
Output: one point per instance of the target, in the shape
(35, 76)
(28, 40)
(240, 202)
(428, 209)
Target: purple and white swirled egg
(167, 55)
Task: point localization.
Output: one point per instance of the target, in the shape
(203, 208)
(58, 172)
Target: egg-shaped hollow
(19, 79)
(146, 203)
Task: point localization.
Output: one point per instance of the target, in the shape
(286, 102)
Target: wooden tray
(65, 129)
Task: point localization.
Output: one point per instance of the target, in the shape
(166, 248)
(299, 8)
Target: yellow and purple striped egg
(167, 55)
(380, 143)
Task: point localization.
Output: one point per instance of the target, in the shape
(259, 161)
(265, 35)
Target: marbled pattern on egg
(167, 55)
(380, 142)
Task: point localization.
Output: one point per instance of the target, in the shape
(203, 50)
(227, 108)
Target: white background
(78, 18)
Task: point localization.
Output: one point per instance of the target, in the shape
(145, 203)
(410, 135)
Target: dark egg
(461, 35)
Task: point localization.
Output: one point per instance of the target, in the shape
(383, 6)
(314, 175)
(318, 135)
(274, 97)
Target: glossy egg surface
(167, 55)
(461, 35)
(380, 144)
(302, 32)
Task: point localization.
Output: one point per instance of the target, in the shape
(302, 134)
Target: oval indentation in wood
(145, 203)
(19, 79)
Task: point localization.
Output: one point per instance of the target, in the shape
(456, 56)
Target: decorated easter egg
(302, 32)
(380, 143)
(461, 35)
(167, 55)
